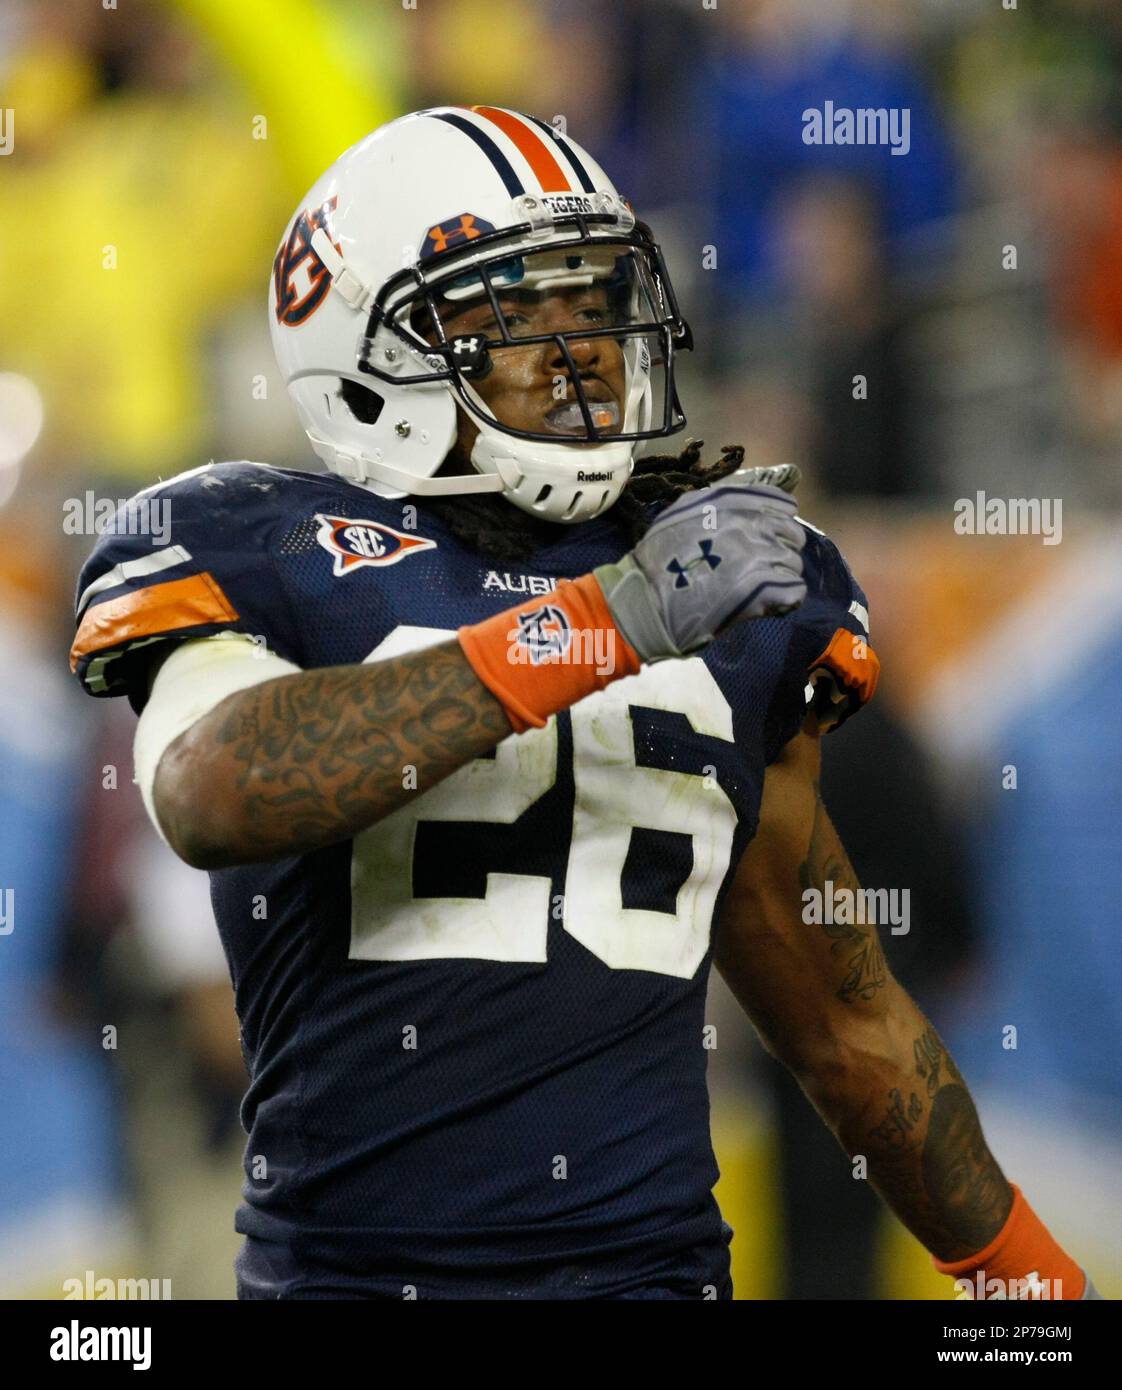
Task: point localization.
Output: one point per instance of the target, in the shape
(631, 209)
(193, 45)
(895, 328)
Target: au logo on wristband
(544, 634)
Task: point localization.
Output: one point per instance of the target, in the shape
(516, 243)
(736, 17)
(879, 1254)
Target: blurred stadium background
(179, 134)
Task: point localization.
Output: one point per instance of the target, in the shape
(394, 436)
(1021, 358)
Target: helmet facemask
(582, 329)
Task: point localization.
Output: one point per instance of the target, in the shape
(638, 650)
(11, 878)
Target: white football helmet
(488, 213)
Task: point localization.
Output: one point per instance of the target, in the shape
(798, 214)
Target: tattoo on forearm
(928, 1052)
(892, 1132)
(927, 1154)
(856, 946)
(321, 755)
(960, 1175)
(930, 1158)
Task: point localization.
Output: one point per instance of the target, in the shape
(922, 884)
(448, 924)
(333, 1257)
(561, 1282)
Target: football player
(493, 740)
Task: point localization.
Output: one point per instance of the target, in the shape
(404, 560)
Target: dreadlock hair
(489, 524)
(661, 479)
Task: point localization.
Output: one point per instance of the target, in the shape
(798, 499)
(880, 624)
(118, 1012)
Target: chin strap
(360, 468)
(343, 280)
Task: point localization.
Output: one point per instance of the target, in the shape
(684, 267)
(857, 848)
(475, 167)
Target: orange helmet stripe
(531, 146)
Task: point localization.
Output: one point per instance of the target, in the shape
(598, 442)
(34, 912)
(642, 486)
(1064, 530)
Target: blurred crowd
(973, 287)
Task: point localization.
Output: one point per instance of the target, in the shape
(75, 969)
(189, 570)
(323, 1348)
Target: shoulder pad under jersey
(181, 559)
(830, 647)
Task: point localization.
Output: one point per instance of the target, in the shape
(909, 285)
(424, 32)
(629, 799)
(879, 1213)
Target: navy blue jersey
(475, 1032)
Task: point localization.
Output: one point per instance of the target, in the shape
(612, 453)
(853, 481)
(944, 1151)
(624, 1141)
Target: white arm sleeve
(192, 681)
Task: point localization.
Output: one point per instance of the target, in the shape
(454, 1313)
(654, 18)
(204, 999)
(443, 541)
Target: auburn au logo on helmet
(301, 278)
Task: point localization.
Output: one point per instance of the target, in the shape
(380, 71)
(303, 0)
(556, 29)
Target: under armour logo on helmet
(454, 231)
(471, 357)
(682, 571)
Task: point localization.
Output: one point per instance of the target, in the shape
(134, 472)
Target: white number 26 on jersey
(612, 796)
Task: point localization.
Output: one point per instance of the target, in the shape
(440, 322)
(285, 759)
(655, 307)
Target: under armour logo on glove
(681, 571)
(761, 570)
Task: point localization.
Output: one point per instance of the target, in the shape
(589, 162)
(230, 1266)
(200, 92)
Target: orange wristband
(1023, 1254)
(547, 653)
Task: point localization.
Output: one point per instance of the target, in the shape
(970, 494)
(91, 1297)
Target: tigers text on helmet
(451, 241)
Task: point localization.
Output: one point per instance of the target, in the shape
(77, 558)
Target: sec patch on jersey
(354, 542)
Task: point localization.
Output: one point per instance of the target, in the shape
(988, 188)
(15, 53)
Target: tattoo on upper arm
(314, 750)
(856, 945)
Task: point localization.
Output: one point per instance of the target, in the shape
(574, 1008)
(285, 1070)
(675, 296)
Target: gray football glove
(721, 555)
(784, 475)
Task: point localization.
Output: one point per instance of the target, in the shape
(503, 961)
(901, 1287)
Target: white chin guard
(557, 482)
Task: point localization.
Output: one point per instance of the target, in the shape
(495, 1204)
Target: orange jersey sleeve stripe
(170, 607)
(532, 148)
(851, 659)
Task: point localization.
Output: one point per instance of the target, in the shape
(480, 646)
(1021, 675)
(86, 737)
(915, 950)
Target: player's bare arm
(825, 1004)
(908, 1110)
(306, 760)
